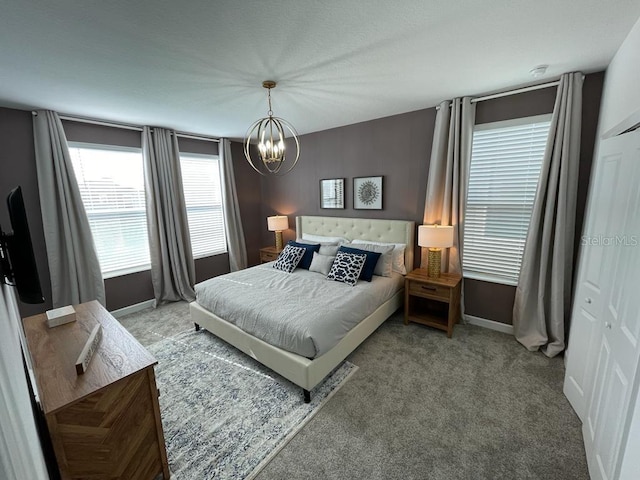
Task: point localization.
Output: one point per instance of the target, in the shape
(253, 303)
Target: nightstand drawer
(268, 257)
(429, 291)
(269, 254)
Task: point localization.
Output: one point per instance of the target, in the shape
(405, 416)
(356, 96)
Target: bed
(300, 369)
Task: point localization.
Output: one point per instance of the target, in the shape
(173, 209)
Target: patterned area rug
(224, 415)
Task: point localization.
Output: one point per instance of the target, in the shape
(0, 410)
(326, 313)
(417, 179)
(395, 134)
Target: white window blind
(503, 178)
(111, 182)
(203, 197)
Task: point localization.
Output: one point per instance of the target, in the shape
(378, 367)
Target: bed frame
(302, 371)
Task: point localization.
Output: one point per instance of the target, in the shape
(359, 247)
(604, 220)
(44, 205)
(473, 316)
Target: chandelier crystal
(269, 135)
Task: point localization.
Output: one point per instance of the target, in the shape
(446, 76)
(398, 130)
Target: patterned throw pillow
(289, 258)
(308, 254)
(346, 267)
(369, 264)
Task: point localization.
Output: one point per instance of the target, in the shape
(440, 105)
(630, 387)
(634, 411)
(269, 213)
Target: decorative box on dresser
(269, 254)
(105, 423)
(432, 301)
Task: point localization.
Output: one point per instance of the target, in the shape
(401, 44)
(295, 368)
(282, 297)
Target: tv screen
(18, 262)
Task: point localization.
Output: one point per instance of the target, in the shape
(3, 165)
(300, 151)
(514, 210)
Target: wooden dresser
(104, 424)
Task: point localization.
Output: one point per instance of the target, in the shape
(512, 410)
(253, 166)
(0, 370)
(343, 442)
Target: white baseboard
(490, 324)
(121, 312)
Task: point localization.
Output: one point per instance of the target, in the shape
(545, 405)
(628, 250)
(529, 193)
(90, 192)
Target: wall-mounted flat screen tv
(17, 261)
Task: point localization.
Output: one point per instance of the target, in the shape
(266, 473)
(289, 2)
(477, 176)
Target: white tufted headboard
(392, 231)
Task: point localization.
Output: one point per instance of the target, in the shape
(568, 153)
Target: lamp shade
(277, 223)
(435, 236)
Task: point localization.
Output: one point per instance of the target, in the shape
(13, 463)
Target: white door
(587, 303)
(608, 318)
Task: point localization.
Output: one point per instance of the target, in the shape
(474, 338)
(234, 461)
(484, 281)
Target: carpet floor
(421, 406)
(223, 413)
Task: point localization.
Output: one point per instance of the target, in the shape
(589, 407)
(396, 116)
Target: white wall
(20, 454)
(621, 94)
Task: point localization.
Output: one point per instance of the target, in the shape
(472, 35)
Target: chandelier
(269, 134)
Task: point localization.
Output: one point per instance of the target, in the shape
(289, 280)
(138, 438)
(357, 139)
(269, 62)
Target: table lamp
(435, 238)
(277, 224)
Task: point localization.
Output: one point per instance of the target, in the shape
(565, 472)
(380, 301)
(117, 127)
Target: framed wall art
(367, 193)
(332, 193)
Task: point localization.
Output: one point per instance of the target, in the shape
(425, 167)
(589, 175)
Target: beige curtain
(448, 175)
(172, 267)
(73, 263)
(542, 304)
(233, 221)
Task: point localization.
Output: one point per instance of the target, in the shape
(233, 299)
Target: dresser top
(54, 352)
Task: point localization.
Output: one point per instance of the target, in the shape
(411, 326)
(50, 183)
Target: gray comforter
(301, 312)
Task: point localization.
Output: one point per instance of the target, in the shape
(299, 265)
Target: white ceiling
(197, 65)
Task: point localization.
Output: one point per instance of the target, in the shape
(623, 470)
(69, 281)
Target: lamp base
(279, 241)
(434, 261)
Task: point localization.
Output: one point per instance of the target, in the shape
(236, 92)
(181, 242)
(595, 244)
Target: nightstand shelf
(269, 254)
(434, 302)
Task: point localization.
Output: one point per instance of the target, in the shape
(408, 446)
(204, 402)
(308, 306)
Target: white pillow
(323, 239)
(326, 248)
(330, 250)
(321, 263)
(384, 266)
(397, 253)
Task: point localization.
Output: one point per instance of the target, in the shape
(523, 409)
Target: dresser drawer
(429, 291)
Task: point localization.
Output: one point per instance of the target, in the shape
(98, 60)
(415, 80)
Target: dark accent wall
(103, 135)
(495, 301)
(396, 147)
(193, 145)
(137, 287)
(250, 201)
(399, 148)
(18, 167)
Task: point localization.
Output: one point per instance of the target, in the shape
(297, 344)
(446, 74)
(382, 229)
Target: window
(503, 178)
(203, 197)
(111, 182)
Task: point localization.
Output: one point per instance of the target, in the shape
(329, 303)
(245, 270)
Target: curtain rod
(516, 91)
(512, 92)
(197, 137)
(127, 126)
(93, 121)
(101, 122)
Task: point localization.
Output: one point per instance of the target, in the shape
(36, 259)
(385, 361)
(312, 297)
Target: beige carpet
(421, 406)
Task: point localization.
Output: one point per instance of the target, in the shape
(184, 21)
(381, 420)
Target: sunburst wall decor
(367, 193)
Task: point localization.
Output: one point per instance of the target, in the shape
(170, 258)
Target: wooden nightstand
(269, 254)
(432, 301)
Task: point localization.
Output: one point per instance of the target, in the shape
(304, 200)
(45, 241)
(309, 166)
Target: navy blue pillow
(369, 265)
(307, 258)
